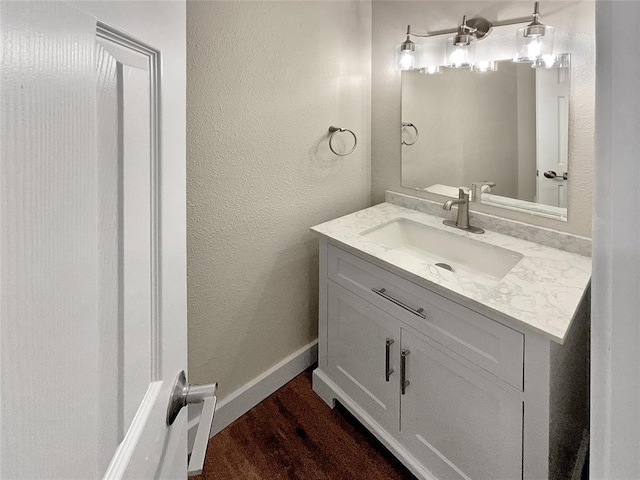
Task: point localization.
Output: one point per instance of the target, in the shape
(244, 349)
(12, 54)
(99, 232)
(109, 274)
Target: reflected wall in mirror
(507, 128)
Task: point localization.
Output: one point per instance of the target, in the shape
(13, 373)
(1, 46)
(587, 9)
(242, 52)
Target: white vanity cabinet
(456, 422)
(476, 396)
(359, 336)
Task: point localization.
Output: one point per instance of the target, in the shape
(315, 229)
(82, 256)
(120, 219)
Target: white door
(92, 239)
(552, 127)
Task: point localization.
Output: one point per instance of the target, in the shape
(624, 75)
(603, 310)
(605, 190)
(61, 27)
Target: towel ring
(333, 131)
(405, 125)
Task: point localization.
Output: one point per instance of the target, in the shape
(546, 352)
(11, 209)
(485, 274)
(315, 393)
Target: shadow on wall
(322, 160)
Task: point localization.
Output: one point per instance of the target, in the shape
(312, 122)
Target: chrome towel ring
(333, 131)
(410, 125)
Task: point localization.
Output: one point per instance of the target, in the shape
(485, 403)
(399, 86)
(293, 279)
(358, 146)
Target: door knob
(552, 174)
(184, 394)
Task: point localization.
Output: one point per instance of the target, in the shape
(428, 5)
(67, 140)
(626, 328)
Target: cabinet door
(456, 422)
(357, 344)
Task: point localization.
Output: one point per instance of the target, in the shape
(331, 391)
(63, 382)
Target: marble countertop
(541, 292)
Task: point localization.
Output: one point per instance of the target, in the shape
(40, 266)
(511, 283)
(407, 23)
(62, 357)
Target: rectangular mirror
(502, 132)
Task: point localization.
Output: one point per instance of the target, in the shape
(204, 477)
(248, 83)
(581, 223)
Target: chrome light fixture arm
(478, 26)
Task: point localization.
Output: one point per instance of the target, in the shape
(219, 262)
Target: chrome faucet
(462, 221)
(478, 188)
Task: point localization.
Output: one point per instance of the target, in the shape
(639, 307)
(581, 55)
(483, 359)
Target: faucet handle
(483, 183)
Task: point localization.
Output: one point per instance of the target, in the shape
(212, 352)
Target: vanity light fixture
(461, 48)
(407, 54)
(534, 41)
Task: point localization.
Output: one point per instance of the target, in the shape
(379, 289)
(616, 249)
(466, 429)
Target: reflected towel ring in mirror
(415, 138)
(333, 131)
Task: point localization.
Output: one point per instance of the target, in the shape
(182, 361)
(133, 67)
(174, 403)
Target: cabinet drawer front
(490, 345)
(457, 423)
(358, 334)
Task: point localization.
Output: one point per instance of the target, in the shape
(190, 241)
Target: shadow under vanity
(469, 372)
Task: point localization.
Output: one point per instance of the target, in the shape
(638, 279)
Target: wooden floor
(293, 434)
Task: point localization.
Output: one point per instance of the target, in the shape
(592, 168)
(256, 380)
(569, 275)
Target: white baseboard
(233, 406)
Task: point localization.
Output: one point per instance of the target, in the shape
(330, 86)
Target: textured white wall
(265, 81)
(575, 33)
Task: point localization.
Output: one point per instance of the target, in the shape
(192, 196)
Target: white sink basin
(430, 244)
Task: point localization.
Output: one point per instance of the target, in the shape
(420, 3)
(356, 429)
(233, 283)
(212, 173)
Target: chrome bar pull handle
(383, 293)
(404, 383)
(387, 359)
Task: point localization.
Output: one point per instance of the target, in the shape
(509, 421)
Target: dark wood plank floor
(293, 434)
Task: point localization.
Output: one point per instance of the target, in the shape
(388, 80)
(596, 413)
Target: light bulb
(531, 47)
(458, 57)
(407, 60)
(534, 49)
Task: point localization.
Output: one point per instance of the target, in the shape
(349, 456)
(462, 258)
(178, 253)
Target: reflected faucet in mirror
(478, 188)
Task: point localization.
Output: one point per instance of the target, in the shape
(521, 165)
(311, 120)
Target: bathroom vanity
(465, 355)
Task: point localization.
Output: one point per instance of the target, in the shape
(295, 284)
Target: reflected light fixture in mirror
(485, 66)
(561, 60)
(534, 41)
(431, 70)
